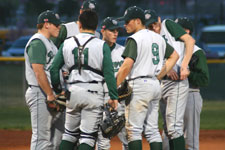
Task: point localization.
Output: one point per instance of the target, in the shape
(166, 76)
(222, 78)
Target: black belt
(33, 86)
(75, 82)
(139, 77)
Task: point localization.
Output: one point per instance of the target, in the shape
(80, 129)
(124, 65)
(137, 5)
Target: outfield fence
(13, 84)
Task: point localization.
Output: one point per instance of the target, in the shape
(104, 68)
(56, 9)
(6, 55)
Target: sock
(66, 145)
(156, 146)
(177, 143)
(84, 146)
(135, 145)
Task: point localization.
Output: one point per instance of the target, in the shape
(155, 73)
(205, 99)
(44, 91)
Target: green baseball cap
(89, 4)
(150, 17)
(133, 12)
(49, 16)
(185, 23)
(109, 23)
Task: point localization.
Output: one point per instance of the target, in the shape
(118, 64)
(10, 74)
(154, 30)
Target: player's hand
(51, 98)
(113, 103)
(173, 75)
(184, 73)
(62, 93)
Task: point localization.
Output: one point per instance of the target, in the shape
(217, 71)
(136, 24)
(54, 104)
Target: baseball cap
(133, 13)
(49, 16)
(109, 23)
(185, 23)
(150, 17)
(89, 4)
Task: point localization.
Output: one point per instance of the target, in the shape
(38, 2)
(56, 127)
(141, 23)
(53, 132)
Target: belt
(33, 86)
(140, 77)
(75, 82)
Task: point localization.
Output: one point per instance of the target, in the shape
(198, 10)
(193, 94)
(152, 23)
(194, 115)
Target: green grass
(212, 116)
(15, 118)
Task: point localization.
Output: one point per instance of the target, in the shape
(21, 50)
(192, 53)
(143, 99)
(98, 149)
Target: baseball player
(109, 30)
(89, 61)
(71, 29)
(175, 84)
(47, 125)
(143, 64)
(199, 77)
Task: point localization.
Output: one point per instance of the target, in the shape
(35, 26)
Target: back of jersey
(92, 56)
(150, 54)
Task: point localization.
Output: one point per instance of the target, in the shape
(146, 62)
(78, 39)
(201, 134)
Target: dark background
(22, 14)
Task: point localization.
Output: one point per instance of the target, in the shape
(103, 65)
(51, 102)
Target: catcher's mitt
(124, 92)
(57, 105)
(113, 123)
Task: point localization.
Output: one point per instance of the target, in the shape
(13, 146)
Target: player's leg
(192, 120)
(136, 111)
(72, 119)
(72, 132)
(103, 143)
(91, 115)
(123, 133)
(89, 127)
(176, 96)
(151, 130)
(40, 119)
(57, 129)
(165, 140)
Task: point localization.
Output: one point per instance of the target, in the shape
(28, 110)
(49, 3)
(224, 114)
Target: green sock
(177, 143)
(156, 146)
(84, 146)
(66, 145)
(135, 145)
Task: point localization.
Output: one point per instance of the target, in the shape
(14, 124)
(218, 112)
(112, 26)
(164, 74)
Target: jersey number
(155, 52)
(84, 59)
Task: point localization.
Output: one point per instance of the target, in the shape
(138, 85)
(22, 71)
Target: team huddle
(74, 78)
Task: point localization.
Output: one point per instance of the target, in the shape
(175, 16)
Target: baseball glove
(113, 123)
(124, 92)
(58, 105)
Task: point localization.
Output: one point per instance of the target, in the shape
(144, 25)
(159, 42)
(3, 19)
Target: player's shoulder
(73, 23)
(67, 42)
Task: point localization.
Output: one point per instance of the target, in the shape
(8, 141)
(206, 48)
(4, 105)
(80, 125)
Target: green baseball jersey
(117, 59)
(148, 50)
(199, 74)
(96, 55)
(171, 32)
(39, 50)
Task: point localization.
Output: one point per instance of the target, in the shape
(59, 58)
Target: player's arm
(172, 56)
(109, 77)
(57, 64)
(199, 75)
(61, 37)
(179, 34)
(37, 54)
(129, 55)
(43, 80)
(189, 46)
